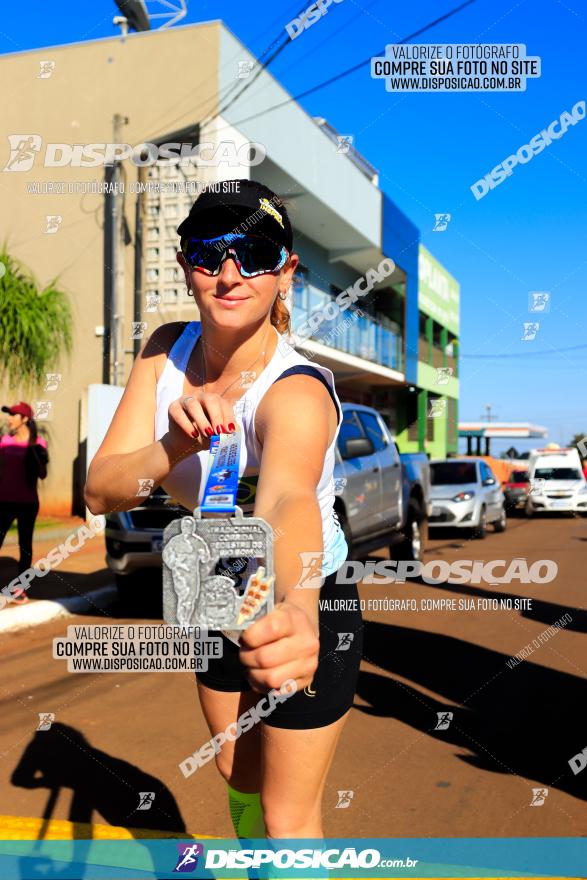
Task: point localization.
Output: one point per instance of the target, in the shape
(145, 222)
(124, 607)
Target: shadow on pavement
(142, 598)
(545, 612)
(57, 584)
(104, 788)
(523, 720)
(63, 758)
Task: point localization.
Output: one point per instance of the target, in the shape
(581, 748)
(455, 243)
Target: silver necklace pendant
(217, 572)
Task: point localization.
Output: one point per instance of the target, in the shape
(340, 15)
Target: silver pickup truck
(382, 495)
(382, 500)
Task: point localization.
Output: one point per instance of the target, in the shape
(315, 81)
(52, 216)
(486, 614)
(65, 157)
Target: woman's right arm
(129, 453)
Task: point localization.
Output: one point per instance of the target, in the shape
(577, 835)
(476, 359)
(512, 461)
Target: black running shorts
(332, 690)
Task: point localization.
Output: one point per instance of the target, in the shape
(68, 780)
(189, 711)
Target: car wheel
(500, 524)
(480, 530)
(528, 509)
(411, 547)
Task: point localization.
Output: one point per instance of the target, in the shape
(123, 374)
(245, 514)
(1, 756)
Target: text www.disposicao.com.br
(135, 664)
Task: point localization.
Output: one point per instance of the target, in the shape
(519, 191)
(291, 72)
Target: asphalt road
(514, 727)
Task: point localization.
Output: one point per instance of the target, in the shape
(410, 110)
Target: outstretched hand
(280, 646)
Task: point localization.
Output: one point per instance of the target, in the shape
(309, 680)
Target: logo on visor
(266, 206)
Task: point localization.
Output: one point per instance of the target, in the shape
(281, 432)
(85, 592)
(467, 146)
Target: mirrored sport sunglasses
(253, 255)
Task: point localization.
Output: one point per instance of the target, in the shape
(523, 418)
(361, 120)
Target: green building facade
(428, 410)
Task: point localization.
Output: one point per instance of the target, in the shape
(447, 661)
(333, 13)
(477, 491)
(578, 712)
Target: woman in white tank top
(185, 482)
(234, 367)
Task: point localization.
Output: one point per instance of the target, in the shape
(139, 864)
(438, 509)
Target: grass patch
(42, 522)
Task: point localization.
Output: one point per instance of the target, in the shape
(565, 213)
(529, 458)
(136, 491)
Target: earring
(190, 291)
(282, 294)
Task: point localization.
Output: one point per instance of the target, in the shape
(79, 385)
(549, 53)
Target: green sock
(246, 813)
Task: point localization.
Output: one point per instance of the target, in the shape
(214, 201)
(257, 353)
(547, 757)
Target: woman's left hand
(280, 646)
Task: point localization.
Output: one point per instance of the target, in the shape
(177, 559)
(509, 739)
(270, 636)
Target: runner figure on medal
(182, 555)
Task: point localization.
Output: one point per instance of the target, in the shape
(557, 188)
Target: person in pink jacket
(23, 461)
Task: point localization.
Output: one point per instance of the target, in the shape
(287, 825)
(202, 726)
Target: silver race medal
(218, 571)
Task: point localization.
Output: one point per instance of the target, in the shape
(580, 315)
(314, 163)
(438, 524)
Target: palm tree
(35, 326)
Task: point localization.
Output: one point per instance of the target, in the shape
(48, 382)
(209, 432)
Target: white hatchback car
(465, 494)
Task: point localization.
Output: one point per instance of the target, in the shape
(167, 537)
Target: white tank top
(185, 482)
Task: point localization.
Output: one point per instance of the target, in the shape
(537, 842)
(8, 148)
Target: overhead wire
(226, 89)
(354, 67)
(332, 79)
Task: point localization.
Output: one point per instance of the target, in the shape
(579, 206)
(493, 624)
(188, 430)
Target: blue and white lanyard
(222, 477)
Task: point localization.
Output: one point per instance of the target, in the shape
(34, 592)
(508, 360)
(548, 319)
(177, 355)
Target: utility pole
(138, 266)
(113, 262)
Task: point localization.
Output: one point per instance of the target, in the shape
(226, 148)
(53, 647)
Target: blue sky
(526, 234)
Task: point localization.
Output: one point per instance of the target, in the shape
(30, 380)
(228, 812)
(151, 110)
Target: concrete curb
(34, 613)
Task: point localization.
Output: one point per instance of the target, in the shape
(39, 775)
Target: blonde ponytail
(280, 316)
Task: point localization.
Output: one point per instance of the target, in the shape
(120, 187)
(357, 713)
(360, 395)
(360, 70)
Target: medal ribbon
(222, 485)
(222, 477)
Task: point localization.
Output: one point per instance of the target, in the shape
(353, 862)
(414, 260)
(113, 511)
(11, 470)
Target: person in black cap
(23, 460)
(246, 207)
(197, 379)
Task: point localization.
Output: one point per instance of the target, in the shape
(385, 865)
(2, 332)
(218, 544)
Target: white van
(556, 481)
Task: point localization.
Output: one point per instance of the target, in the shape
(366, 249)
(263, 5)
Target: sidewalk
(61, 591)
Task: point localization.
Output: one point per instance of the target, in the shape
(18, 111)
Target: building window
(436, 413)
(437, 352)
(172, 273)
(300, 279)
(162, 211)
(299, 287)
(423, 347)
(451, 355)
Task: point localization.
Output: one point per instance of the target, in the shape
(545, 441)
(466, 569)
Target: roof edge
(117, 38)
